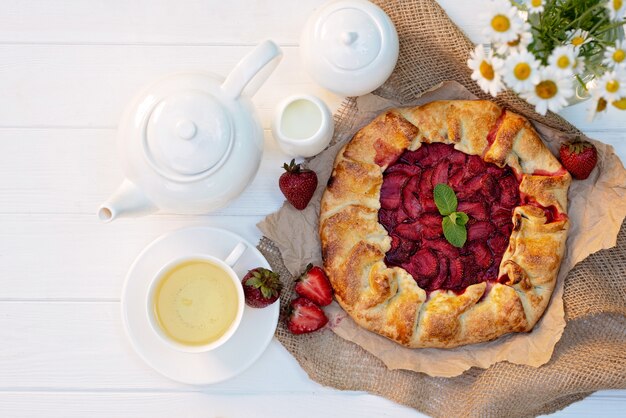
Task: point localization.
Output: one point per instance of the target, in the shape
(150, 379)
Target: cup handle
(235, 254)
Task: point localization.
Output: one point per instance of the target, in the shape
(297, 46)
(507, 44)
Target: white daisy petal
(551, 92)
(617, 9)
(521, 71)
(502, 22)
(612, 85)
(521, 42)
(577, 38)
(486, 70)
(535, 6)
(563, 59)
(615, 56)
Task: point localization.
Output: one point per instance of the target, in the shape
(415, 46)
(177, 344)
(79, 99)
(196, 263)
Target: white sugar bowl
(302, 125)
(191, 142)
(349, 47)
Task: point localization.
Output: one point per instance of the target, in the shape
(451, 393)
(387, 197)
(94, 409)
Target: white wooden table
(67, 68)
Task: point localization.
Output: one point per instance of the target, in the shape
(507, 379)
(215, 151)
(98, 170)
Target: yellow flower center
(601, 106)
(521, 71)
(536, 3)
(500, 23)
(546, 89)
(612, 86)
(486, 70)
(620, 104)
(617, 4)
(562, 62)
(619, 55)
(577, 40)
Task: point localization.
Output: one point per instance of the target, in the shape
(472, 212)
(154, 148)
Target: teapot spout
(128, 200)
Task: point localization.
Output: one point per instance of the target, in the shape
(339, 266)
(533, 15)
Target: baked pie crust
(385, 298)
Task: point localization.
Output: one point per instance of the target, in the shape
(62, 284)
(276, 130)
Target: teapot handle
(245, 71)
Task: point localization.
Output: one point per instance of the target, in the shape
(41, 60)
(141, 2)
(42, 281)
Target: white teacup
(182, 301)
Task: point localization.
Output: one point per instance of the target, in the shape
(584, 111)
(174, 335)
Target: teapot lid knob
(186, 129)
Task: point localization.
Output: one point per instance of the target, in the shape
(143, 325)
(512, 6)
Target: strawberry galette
(445, 224)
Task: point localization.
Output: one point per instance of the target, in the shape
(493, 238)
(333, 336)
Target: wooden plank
(190, 22)
(287, 405)
(167, 405)
(76, 170)
(75, 256)
(90, 85)
(66, 346)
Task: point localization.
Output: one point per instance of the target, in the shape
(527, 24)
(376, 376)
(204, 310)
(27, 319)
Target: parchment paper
(597, 207)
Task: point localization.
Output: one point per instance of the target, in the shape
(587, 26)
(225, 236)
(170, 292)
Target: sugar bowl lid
(349, 47)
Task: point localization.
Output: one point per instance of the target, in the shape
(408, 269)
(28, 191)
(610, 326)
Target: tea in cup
(195, 303)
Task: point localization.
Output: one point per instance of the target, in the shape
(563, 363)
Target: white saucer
(233, 357)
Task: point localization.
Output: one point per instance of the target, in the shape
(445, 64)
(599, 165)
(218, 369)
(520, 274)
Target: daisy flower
(577, 37)
(620, 104)
(611, 86)
(563, 59)
(521, 71)
(504, 22)
(524, 38)
(599, 106)
(615, 56)
(551, 92)
(616, 9)
(486, 70)
(534, 6)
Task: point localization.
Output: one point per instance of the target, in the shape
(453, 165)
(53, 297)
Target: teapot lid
(186, 135)
(349, 46)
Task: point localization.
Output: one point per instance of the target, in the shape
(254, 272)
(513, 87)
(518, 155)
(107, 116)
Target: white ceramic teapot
(191, 142)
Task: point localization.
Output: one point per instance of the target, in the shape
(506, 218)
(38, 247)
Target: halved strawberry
(510, 190)
(456, 274)
(482, 254)
(424, 263)
(498, 243)
(431, 225)
(401, 250)
(305, 316)
(406, 169)
(410, 203)
(440, 175)
(409, 230)
(314, 285)
(391, 190)
(480, 230)
(475, 210)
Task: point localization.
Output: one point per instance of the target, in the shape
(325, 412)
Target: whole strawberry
(314, 285)
(579, 158)
(297, 184)
(305, 316)
(261, 287)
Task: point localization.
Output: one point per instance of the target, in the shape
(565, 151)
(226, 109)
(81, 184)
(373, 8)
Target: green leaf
(459, 218)
(455, 234)
(445, 199)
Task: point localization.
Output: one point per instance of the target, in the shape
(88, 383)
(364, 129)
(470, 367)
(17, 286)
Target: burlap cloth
(591, 354)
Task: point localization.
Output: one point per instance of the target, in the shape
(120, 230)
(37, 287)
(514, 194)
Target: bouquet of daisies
(548, 50)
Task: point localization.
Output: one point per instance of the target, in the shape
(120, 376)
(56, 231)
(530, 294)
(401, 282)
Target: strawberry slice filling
(486, 193)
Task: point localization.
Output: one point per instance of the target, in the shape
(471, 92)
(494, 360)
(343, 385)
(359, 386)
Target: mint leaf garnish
(453, 222)
(459, 218)
(454, 233)
(445, 199)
